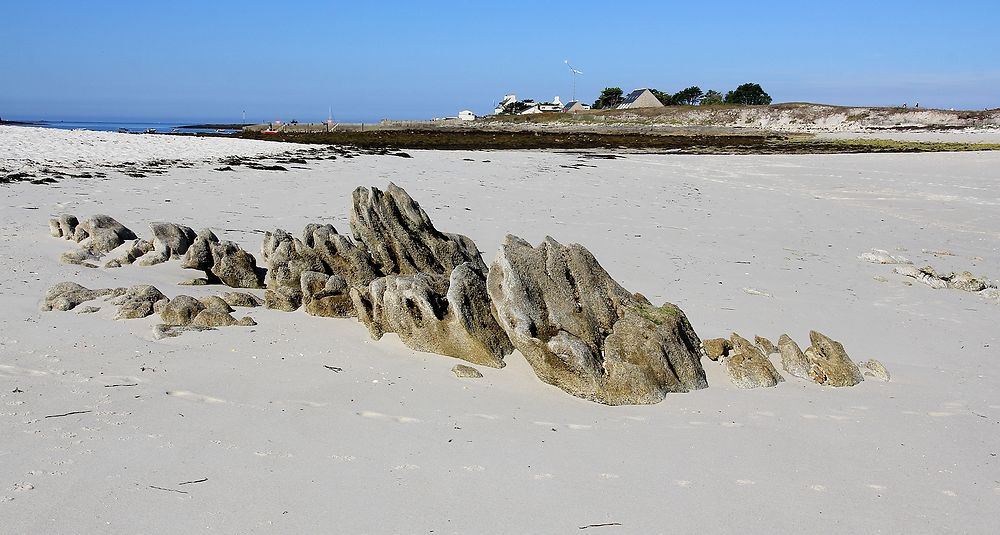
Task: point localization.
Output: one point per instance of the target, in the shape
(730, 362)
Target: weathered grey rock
(63, 226)
(200, 281)
(181, 311)
(748, 367)
(101, 233)
(222, 261)
(134, 250)
(926, 275)
(445, 315)
(161, 331)
(286, 258)
(401, 238)
(214, 302)
(246, 321)
(831, 365)
(67, 295)
(213, 318)
(765, 345)
(88, 310)
(326, 295)
(242, 299)
(284, 299)
(967, 282)
(876, 369)
(170, 240)
(466, 372)
(139, 301)
(79, 257)
(715, 348)
(793, 360)
(584, 333)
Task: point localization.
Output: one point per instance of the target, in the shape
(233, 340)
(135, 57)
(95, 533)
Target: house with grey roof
(640, 98)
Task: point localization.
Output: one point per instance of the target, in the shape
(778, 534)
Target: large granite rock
(793, 360)
(223, 261)
(326, 295)
(340, 255)
(584, 333)
(286, 258)
(445, 315)
(401, 238)
(748, 367)
(99, 233)
(136, 249)
(181, 311)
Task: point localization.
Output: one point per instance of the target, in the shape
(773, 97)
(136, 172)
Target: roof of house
(633, 96)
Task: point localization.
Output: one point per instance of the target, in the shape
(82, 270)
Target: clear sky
(210, 60)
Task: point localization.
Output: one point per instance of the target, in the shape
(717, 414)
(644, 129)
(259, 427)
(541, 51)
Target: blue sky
(210, 60)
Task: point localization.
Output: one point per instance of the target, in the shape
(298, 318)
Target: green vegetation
(711, 98)
(749, 94)
(610, 98)
(658, 315)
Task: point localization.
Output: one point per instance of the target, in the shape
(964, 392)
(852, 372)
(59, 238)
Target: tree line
(750, 94)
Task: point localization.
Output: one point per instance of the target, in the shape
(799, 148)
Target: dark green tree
(689, 96)
(749, 94)
(610, 97)
(515, 108)
(711, 97)
(665, 98)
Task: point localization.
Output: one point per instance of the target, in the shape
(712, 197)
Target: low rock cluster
(824, 362)
(397, 273)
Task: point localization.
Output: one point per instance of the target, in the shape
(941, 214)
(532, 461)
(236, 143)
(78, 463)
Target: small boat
(269, 131)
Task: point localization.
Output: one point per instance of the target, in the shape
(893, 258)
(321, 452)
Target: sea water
(132, 127)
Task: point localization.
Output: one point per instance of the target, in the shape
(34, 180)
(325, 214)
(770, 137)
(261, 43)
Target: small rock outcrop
(139, 302)
(99, 233)
(748, 366)
(715, 348)
(445, 315)
(875, 369)
(222, 261)
(466, 372)
(170, 241)
(831, 366)
(793, 360)
(181, 311)
(134, 251)
(401, 238)
(765, 345)
(880, 256)
(326, 295)
(242, 299)
(68, 295)
(79, 257)
(584, 333)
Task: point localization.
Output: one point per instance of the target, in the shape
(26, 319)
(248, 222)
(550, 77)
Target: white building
(466, 115)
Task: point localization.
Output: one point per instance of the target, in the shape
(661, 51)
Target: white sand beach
(254, 429)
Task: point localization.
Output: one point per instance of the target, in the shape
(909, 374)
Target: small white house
(507, 100)
(466, 115)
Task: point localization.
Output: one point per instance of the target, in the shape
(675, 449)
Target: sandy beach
(304, 424)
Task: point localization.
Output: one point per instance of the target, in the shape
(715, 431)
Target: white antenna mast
(574, 73)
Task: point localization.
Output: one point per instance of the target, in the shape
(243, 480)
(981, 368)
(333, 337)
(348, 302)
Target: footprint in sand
(818, 488)
(745, 482)
(484, 416)
(541, 477)
(474, 468)
(191, 396)
(303, 403)
(15, 371)
(951, 493)
(609, 476)
(379, 416)
(809, 416)
(879, 488)
(406, 467)
(683, 483)
(730, 424)
(939, 414)
(579, 426)
(344, 458)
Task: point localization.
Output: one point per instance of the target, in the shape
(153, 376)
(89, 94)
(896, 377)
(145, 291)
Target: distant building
(507, 101)
(574, 106)
(640, 98)
(543, 107)
(466, 115)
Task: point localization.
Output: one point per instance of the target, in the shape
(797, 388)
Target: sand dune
(108, 430)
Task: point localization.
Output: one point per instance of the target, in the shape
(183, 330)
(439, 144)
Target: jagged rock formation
(68, 295)
(964, 281)
(584, 333)
(748, 366)
(320, 252)
(401, 238)
(222, 261)
(185, 311)
(79, 257)
(765, 345)
(445, 315)
(99, 233)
